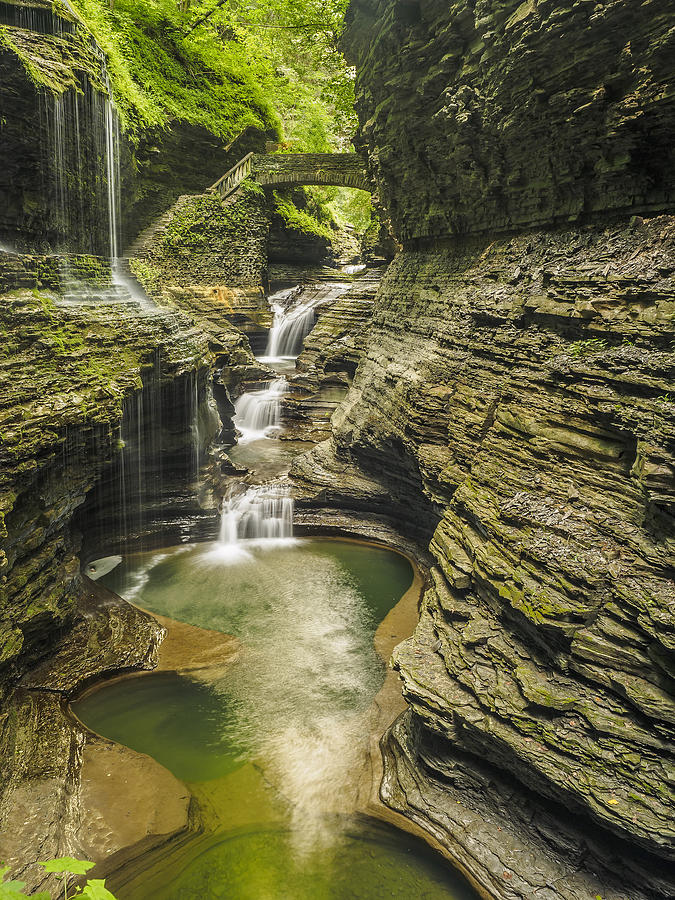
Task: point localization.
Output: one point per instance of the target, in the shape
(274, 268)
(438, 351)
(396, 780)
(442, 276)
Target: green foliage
(67, 864)
(587, 348)
(274, 66)
(251, 188)
(346, 207)
(299, 219)
(10, 890)
(94, 889)
(160, 74)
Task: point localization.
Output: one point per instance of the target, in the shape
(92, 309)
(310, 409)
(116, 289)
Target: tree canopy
(226, 64)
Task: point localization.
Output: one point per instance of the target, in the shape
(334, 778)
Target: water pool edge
(177, 655)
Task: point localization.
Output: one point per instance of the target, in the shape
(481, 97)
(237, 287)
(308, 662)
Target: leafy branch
(94, 888)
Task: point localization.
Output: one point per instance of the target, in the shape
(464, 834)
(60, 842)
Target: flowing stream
(258, 413)
(274, 746)
(295, 311)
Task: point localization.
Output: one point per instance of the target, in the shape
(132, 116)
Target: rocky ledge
(514, 409)
(331, 351)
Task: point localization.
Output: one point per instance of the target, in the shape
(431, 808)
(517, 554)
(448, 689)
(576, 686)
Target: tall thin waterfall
(259, 512)
(84, 132)
(257, 413)
(112, 144)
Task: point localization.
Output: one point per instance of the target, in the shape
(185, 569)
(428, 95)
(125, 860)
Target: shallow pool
(274, 747)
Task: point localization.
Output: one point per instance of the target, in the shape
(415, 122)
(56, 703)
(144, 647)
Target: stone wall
(210, 259)
(184, 159)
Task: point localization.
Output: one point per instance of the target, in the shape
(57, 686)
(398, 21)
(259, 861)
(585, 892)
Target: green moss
(300, 220)
(587, 348)
(148, 274)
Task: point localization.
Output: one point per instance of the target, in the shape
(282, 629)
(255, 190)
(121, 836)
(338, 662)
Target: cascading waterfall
(257, 413)
(292, 323)
(257, 513)
(84, 129)
(289, 329)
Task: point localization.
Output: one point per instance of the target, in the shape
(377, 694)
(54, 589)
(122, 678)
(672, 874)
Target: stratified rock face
(522, 390)
(485, 116)
(327, 363)
(73, 379)
(516, 401)
(54, 112)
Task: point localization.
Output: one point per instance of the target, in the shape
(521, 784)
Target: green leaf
(11, 889)
(95, 890)
(67, 864)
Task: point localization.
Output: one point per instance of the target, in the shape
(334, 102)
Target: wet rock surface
(513, 410)
(502, 836)
(492, 116)
(515, 404)
(69, 378)
(105, 409)
(51, 805)
(331, 351)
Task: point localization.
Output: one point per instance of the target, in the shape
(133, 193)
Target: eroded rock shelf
(498, 401)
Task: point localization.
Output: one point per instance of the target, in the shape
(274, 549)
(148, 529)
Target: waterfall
(290, 327)
(257, 513)
(60, 147)
(258, 412)
(112, 159)
(83, 137)
(292, 323)
(84, 134)
(354, 270)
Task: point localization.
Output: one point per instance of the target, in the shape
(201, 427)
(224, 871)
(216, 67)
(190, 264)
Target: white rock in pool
(99, 567)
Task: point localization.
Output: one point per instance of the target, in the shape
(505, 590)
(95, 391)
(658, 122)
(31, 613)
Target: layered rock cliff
(514, 412)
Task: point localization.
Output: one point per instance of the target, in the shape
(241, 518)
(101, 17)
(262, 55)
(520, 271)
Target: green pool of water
(272, 748)
(368, 863)
(185, 724)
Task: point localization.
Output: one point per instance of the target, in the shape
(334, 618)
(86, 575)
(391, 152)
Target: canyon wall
(513, 411)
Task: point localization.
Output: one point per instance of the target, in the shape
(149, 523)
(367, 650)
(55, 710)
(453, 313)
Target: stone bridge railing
(275, 169)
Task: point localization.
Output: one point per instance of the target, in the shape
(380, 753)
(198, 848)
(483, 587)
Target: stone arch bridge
(279, 169)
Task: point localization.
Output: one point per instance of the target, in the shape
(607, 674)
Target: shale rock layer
(515, 394)
(484, 116)
(513, 411)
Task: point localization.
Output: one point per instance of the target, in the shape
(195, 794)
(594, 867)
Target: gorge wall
(513, 411)
(106, 412)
